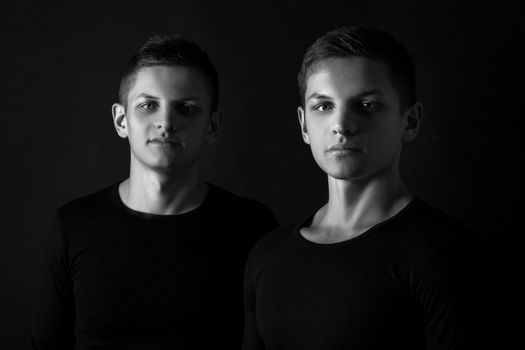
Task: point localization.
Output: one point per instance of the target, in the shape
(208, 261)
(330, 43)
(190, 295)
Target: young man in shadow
(375, 267)
(155, 261)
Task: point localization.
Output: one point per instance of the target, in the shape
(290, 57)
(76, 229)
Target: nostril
(347, 126)
(344, 131)
(337, 129)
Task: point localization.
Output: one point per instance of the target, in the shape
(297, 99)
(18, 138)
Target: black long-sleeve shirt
(415, 281)
(114, 278)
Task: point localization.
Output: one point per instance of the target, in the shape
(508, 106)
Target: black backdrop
(60, 70)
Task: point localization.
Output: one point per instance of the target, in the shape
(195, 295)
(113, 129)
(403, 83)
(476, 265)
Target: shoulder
(275, 239)
(426, 234)
(420, 222)
(273, 245)
(225, 201)
(425, 223)
(87, 206)
(219, 194)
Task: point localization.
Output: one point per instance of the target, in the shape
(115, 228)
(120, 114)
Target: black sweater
(114, 278)
(415, 281)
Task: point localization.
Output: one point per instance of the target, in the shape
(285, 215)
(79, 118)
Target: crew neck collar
(308, 220)
(117, 200)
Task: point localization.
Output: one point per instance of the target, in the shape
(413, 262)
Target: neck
(362, 203)
(153, 192)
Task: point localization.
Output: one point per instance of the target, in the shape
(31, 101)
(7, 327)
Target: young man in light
(155, 261)
(375, 267)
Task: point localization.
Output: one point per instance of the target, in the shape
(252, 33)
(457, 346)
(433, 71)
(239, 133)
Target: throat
(331, 234)
(168, 200)
(335, 223)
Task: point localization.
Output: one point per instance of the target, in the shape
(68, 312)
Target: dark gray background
(60, 71)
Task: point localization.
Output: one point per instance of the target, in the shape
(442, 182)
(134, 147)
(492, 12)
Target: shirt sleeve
(53, 308)
(251, 339)
(268, 221)
(451, 295)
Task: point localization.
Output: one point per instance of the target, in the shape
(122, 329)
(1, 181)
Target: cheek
(315, 139)
(136, 123)
(387, 141)
(197, 131)
(315, 130)
(317, 148)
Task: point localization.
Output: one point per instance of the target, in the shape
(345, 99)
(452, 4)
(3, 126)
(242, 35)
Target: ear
(413, 117)
(213, 129)
(302, 122)
(119, 119)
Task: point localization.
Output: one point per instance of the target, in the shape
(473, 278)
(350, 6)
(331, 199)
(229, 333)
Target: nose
(167, 120)
(344, 122)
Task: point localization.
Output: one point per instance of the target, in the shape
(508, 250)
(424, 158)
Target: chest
(154, 277)
(326, 300)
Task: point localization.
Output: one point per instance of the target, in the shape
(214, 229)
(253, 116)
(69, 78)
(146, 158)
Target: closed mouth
(343, 149)
(164, 141)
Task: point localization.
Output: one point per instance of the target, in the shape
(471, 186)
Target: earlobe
(413, 118)
(302, 123)
(213, 129)
(119, 119)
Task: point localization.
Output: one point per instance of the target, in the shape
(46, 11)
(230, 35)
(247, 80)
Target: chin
(344, 176)
(165, 165)
(342, 171)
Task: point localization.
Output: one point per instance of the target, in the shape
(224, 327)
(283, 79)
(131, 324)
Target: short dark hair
(170, 50)
(354, 41)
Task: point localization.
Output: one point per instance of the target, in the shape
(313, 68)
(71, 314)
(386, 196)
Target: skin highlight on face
(352, 119)
(167, 118)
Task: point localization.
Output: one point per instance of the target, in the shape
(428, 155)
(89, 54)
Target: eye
(149, 106)
(323, 107)
(189, 109)
(370, 106)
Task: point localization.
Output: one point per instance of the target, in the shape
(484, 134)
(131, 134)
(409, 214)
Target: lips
(343, 148)
(164, 141)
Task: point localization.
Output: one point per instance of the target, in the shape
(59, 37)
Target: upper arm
(251, 339)
(53, 307)
(451, 295)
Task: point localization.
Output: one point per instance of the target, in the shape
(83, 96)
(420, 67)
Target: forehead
(349, 76)
(171, 82)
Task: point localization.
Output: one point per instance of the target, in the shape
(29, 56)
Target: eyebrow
(148, 96)
(319, 96)
(371, 92)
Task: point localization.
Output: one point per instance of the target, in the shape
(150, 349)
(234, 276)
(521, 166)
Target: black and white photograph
(262, 175)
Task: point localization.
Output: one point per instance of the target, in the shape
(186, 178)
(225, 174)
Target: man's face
(352, 119)
(167, 118)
